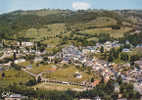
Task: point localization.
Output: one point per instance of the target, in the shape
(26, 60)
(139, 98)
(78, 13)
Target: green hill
(46, 24)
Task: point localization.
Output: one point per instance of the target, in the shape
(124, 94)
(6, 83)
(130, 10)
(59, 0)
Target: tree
(92, 79)
(14, 55)
(15, 66)
(102, 49)
(110, 58)
(133, 58)
(3, 75)
(39, 79)
(124, 57)
(115, 53)
(31, 82)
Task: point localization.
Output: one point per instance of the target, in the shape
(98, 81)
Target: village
(78, 56)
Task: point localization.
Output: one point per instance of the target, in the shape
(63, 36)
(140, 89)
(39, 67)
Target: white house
(126, 50)
(38, 59)
(78, 75)
(19, 61)
(27, 43)
(29, 67)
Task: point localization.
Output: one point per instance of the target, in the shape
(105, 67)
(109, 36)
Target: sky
(12, 5)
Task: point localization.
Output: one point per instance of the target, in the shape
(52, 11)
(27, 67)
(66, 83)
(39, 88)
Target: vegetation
(13, 76)
(104, 90)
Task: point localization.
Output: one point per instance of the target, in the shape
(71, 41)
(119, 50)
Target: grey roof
(15, 96)
(139, 62)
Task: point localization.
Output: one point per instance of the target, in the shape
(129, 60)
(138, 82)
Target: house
(8, 51)
(15, 97)
(138, 63)
(78, 75)
(97, 98)
(116, 88)
(139, 46)
(1, 69)
(38, 59)
(126, 50)
(23, 50)
(51, 58)
(89, 49)
(122, 99)
(29, 67)
(127, 65)
(86, 51)
(83, 60)
(7, 64)
(27, 44)
(96, 82)
(107, 45)
(65, 60)
(101, 62)
(106, 78)
(19, 61)
(127, 42)
(1, 45)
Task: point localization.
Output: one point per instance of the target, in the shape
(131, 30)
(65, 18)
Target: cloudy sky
(11, 5)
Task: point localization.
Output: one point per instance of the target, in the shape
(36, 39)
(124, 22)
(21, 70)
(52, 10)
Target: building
(27, 44)
(122, 99)
(116, 88)
(19, 61)
(138, 63)
(96, 82)
(139, 46)
(29, 67)
(97, 98)
(15, 97)
(126, 50)
(78, 75)
(38, 59)
(107, 45)
(1, 69)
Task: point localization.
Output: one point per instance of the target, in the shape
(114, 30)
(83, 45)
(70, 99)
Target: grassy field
(60, 73)
(50, 30)
(43, 12)
(98, 22)
(14, 76)
(59, 87)
(52, 41)
(36, 69)
(41, 68)
(67, 74)
(114, 33)
(102, 21)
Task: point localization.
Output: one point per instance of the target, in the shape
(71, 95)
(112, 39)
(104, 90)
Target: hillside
(49, 25)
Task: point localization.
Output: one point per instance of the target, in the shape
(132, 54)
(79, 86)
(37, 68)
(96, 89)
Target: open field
(14, 76)
(67, 74)
(102, 21)
(41, 68)
(114, 33)
(36, 69)
(98, 22)
(46, 31)
(60, 72)
(59, 87)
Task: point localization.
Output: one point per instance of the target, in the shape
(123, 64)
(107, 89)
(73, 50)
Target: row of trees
(115, 54)
(104, 90)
